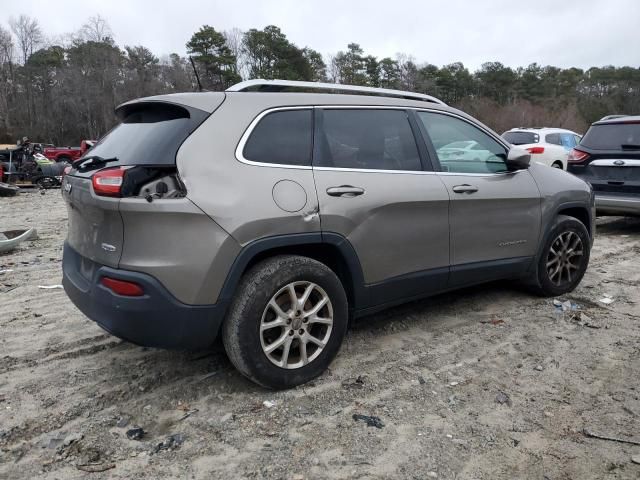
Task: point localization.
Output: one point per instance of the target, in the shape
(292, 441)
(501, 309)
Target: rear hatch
(138, 152)
(608, 157)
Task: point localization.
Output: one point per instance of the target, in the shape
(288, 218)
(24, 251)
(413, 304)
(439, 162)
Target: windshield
(521, 138)
(612, 136)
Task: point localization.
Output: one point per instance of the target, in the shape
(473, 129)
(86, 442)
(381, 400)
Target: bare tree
(6, 46)
(234, 42)
(29, 35)
(96, 29)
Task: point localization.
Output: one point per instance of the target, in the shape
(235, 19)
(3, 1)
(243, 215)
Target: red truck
(68, 154)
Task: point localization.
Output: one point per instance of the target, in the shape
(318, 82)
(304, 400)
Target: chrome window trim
(247, 133)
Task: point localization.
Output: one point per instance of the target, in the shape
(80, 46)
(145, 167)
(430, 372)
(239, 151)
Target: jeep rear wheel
(287, 321)
(564, 257)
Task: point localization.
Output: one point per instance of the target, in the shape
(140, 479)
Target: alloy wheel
(296, 325)
(564, 258)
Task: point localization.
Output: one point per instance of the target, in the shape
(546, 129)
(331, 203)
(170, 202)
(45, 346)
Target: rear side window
(367, 139)
(150, 134)
(521, 138)
(613, 136)
(553, 138)
(282, 137)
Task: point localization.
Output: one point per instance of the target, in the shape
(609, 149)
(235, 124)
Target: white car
(548, 146)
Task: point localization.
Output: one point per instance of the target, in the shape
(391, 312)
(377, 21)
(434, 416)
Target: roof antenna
(195, 70)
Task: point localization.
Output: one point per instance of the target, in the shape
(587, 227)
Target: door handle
(465, 188)
(345, 191)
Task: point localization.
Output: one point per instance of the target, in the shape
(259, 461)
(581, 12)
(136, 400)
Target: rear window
(283, 137)
(521, 138)
(150, 134)
(612, 136)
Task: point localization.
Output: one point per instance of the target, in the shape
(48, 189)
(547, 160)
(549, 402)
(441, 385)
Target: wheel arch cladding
(331, 249)
(580, 213)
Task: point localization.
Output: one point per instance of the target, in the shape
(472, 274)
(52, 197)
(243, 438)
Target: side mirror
(518, 159)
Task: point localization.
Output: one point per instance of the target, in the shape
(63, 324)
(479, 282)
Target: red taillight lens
(577, 156)
(122, 287)
(107, 182)
(535, 150)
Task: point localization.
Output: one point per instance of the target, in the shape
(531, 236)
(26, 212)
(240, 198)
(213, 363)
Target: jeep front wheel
(287, 321)
(564, 257)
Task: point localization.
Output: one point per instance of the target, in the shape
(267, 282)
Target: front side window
(282, 137)
(366, 139)
(486, 155)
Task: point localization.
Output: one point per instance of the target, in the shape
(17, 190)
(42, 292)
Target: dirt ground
(486, 383)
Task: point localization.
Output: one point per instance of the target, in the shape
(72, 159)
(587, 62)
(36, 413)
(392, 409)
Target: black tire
(241, 333)
(562, 226)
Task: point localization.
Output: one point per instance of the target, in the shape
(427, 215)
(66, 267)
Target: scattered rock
(539, 368)
(370, 420)
(123, 422)
(432, 475)
(269, 403)
(69, 439)
(421, 380)
(171, 442)
(135, 433)
(636, 459)
(502, 398)
(357, 383)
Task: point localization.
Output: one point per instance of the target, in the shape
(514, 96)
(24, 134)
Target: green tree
(216, 62)
(270, 55)
(350, 66)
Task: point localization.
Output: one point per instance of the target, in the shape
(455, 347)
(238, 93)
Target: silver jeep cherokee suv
(273, 217)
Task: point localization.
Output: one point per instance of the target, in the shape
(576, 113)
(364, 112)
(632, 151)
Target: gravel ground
(486, 383)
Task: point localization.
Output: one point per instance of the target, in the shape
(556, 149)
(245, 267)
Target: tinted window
(373, 139)
(149, 134)
(281, 137)
(521, 138)
(553, 138)
(487, 156)
(612, 136)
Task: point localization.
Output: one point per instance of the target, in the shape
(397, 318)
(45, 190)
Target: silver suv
(274, 217)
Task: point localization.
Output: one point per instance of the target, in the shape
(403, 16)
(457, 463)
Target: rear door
(373, 191)
(494, 215)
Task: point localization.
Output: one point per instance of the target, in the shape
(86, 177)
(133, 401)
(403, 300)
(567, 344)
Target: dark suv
(608, 157)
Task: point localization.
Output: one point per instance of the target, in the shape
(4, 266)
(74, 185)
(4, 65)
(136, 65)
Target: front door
(494, 214)
(373, 190)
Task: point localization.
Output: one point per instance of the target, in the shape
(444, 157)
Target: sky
(563, 33)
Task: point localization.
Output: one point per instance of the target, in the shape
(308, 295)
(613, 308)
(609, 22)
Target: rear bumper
(155, 319)
(617, 205)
